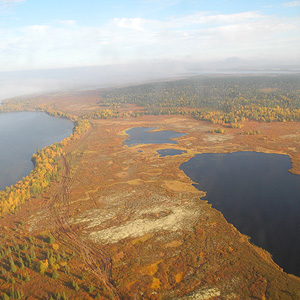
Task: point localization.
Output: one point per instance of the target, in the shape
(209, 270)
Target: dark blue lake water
(21, 134)
(144, 135)
(256, 193)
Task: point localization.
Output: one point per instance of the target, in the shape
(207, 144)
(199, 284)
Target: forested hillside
(221, 99)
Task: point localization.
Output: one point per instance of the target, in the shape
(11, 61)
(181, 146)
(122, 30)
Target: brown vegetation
(121, 222)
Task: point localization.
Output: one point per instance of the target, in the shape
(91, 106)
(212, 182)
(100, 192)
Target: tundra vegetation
(90, 183)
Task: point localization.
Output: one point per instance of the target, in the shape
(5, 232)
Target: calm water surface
(170, 152)
(256, 193)
(144, 135)
(21, 134)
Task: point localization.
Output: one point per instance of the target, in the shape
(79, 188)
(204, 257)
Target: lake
(150, 135)
(21, 134)
(256, 193)
(170, 152)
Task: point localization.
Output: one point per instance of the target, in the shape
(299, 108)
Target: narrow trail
(96, 260)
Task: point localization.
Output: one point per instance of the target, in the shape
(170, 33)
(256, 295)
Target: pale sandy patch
(174, 244)
(179, 219)
(291, 136)
(121, 174)
(216, 138)
(203, 294)
(135, 181)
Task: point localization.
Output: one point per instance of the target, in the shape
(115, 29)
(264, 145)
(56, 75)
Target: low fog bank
(21, 83)
(39, 81)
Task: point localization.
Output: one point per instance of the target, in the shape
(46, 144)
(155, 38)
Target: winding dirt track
(96, 260)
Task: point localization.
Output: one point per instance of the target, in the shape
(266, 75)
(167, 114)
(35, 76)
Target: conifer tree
(91, 288)
(21, 263)
(13, 267)
(27, 277)
(55, 274)
(5, 296)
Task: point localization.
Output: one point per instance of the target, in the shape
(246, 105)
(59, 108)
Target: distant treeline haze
(220, 99)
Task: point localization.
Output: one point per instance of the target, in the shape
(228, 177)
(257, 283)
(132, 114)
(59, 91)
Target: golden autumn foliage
(218, 130)
(46, 170)
(218, 99)
(102, 114)
(43, 266)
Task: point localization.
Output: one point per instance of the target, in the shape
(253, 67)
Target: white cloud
(197, 19)
(38, 28)
(204, 18)
(130, 23)
(7, 5)
(201, 36)
(291, 4)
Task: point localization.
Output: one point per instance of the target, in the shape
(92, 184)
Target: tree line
(219, 99)
(47, 168)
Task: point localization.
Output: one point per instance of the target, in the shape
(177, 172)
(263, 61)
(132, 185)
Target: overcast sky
(42, 34)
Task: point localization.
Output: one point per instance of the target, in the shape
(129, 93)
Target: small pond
(256, 193)
(170, 152)
(150, 135)
(21, 134)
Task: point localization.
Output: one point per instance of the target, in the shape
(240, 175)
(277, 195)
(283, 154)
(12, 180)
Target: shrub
(50, 239)
(91, 288)
(55, 274)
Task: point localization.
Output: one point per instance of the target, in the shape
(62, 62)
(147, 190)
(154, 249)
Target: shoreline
(152, 192)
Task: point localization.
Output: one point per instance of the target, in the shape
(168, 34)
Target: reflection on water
(21, 134)
(256, 193)
(146, 135)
